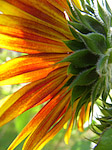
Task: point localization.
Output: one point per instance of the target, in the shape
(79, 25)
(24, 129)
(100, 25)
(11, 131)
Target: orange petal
(30, 46)
(29, 63)
(31, 75)
(41, 12)
(26, 26)
(44, 126)
(56, 128)
(29, 96)
(38, 118)
(42, 114)
(40, 9)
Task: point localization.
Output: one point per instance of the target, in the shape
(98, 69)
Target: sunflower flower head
(68, 64)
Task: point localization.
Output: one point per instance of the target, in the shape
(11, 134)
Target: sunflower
(66, 46)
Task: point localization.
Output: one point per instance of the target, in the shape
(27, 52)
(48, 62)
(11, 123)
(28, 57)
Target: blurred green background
(9, 131)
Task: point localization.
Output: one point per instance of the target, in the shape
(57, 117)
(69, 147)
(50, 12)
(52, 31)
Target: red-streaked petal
(45, 16)
(24, 27)
(46, 123)
(56, 128)
(42, 114)
(29, 46)
(29, 96)
(33, 75)
(29, 63)
(42, 10)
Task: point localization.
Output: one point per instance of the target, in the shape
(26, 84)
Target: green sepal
(101, 69)
(77, 92)
(108, 105)
(104, 15)
(80, 27)
(83, 4)
(96, 91)
(90, 23)
(73, 70)
(106, 89)
(106, 111)
(108, 7)
(110, 55)
(72, 11)
(95, 42)
(88, 1)
(84, 99)
(69, 81)
(74, 45)
(85, 78)
(103, 122)
(92, 1)
(99, 127)
(81, 58)
(90, 9)
(74, 33)
(108, 121)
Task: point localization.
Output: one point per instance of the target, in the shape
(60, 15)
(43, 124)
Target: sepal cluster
(91, 60)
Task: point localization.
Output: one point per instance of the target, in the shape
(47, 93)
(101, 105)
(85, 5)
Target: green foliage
(74, 45)
(22, 120)
(81, 58)
(105, 16)
(91, 62)
(105, 141)
(81, 145)
(85, 78)
(7, 135)
(95, 42)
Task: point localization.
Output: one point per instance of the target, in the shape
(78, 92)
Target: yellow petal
(77, 3)
(69, 130)
(88, 112)
(81, 119)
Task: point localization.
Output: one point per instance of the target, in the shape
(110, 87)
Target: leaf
(95, 42)
(105, 141)
(74, 45)
(81, 58)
